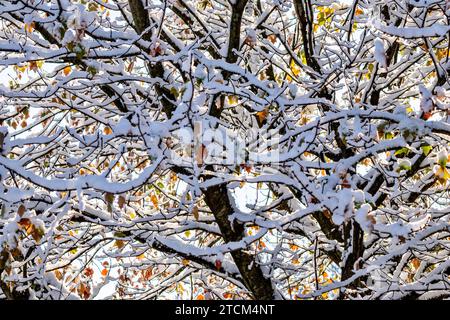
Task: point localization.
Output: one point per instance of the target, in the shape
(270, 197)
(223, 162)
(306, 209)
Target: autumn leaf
(233, 100)
(262, 115)
(84, 291)
(295, 68)
(109, 198)
(141, 256)
(21, 210)
(228, 295)
(442, 174)
(201, 154)
(154, 200)
(416, 263)
(25, 224)
(121, 202)
(67, 70)
(58, 275)
(272, 38)
(426, 115)
(29, 27)
(107, 130)
(104, 272)
(119, 244)
(195, 212)
(89, 272)
(37, 233)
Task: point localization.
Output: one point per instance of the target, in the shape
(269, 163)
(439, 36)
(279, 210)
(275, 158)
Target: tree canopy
(224, 149)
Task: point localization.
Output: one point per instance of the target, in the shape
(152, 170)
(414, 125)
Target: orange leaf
(262, 115)
(228, 295)
(104, 272)
(416, 263)
(107, 130)
(67, 70)
(154, 200)
(29, 27)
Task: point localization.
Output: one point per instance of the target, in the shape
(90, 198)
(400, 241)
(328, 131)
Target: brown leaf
(121, 202)
(195, 212)
(201, 154)
(21, 210)
(262, 115)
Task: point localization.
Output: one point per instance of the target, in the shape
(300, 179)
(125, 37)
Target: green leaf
(426, 150)
(119, 234)
(401, 152)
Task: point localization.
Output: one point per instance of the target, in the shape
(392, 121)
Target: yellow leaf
(29, 27)
(233, 100)
(141, 256)
(442, 174)
(295, 68)
(185, 262)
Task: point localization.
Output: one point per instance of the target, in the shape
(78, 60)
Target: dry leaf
(195, 212)
(262, 115)
(107, 130)
(21, 210)
(121, 202)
